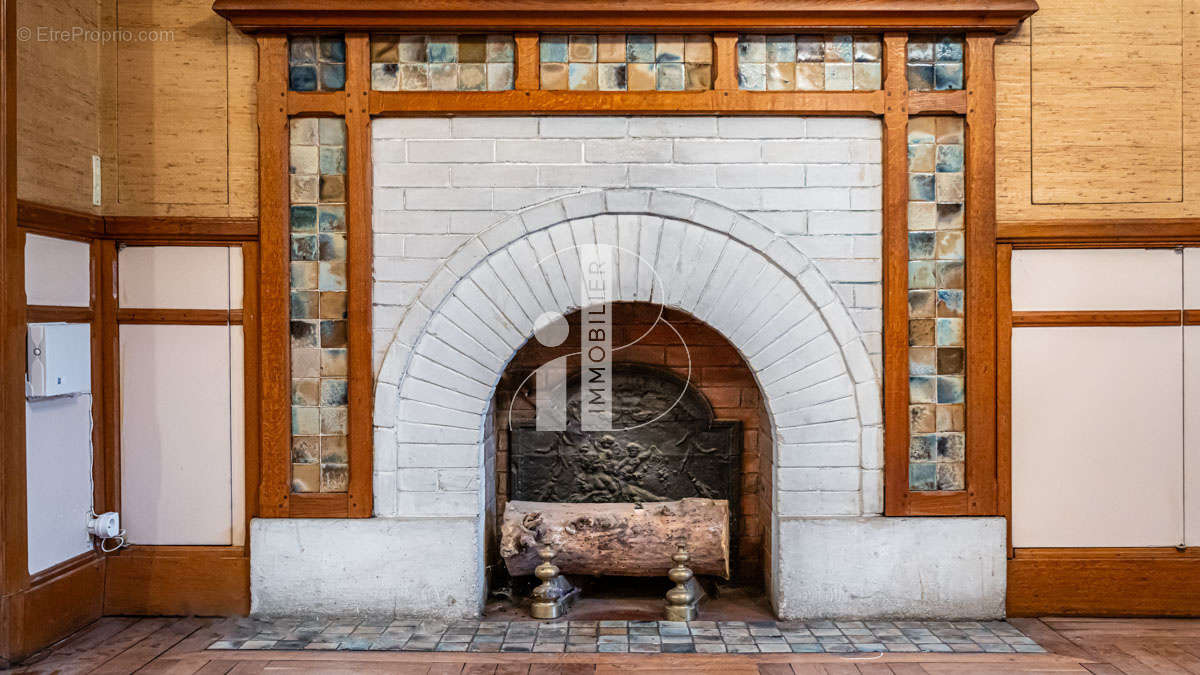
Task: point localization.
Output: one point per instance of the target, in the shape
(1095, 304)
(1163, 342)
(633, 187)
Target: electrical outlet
(95, 180)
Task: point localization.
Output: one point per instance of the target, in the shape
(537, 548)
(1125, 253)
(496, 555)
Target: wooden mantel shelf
(993, 16)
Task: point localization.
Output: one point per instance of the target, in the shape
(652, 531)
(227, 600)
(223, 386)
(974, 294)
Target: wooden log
(635, 540)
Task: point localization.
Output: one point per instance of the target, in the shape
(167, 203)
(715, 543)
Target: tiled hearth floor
(708, 637)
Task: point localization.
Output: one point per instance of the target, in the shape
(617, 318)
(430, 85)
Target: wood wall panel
(1097, 107)
(58, 93)
(1106, 90)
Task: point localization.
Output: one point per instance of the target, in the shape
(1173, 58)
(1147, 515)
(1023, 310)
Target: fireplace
(686, 421)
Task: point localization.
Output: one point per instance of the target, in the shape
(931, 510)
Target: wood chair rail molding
(995, 16)
(53, 220)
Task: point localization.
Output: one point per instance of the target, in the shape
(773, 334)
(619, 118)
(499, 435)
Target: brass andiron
(555, 594)
(682, 600)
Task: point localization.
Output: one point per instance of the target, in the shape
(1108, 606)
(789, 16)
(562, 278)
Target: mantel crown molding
(991, 16)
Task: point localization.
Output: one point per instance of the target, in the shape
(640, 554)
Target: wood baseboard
(1104, 582)
(178, 580)
(58, 602)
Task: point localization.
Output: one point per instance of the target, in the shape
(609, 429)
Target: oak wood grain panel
(1097, 318)
(59, 221)
(178, 580)
(1100, 232)
(1104, 582)
(171, 106)
(694, 15)
(56, 604)
(1107, 123)
(58, 124)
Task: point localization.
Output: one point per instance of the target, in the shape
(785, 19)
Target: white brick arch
(759, 291)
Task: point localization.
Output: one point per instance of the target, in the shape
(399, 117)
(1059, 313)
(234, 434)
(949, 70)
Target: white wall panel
(1191, 278)
(57, 271)
(58, 479)
(1096, 279)
(177, 454)
(175, 277)
(1097, 436)
(1191, 429)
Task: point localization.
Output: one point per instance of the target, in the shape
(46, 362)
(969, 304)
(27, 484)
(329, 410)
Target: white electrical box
(58, 359)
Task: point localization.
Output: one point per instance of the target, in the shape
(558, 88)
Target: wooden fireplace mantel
(995, 16)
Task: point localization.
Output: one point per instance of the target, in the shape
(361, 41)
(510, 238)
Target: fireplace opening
(688, 421)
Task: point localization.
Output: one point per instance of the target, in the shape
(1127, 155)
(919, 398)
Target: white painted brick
(808, 151)
(389, 245)
(448, 199)
(761, 175)
(402, 222)
(583, 127)
(673, 127)
(391, 150)
(410, 127)
(818, 454)
(512, 199)
(717, 152)
(432, 246)
(818, 247)
(672, 175)
(866, 151)
(411, 175)
(384, 449)
(400, 269)
(539, 151)
(451, 151)
(543, 216)
(830, 411)
(844, 175)
(410, 432)
(384, 487)
(844, 127)
(782, 222)
(851, 270)
(872, 447)
(868, 247)
(425, 369)
(806, 199)
(458, 480)
(437, 456)
(582, 175)
(493, 175)
(494, 127)
(474, 222)
(437, 503)
(389, 199)
(806, 479)
(736, 199)
(467, 256)
(417, 480)
(866, 199)
(440, 393)
(614, 151)
(762, 127)
(844, 222)
(819, 504)
(872, 493)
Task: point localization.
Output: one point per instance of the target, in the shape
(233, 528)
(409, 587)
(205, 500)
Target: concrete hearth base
(930, 568)
(927, 568)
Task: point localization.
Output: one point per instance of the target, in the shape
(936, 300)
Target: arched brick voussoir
(755, 287)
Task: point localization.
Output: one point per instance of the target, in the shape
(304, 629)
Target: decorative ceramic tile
(468, 62)
(653, 637)
(620, 62)
(935, 63)
(936, 303)
(810, 62)
(316, 63)
(318, 305)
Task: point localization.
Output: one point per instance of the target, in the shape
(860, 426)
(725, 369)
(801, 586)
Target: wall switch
(95, 180)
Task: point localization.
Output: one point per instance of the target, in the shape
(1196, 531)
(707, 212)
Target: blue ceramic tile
(920, 187)
(331, 131)
(332, 246)
(639, 48)
(949, 158)
(950, 333)
(839, 49)
(333, 76)
(670, 76)
(332, 49)
(781, 49)
(303, 218)
(553, 48)
(922, 476)
(920, 245)
(333, 392)
(922, 447)
(950, 389)
(921, 274)
(922, 390)
(333, 160)
(920, 50)
(331, 276)
(951, 447)
(332, 218)
(582, 76)
(304, 247)
(947, 76)
(302, 49)
(810, 48)
(442, 49)
(752, 76)
(920, 77)
(302, 78)
(949, 303)
(948, 49)
(752, 49)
